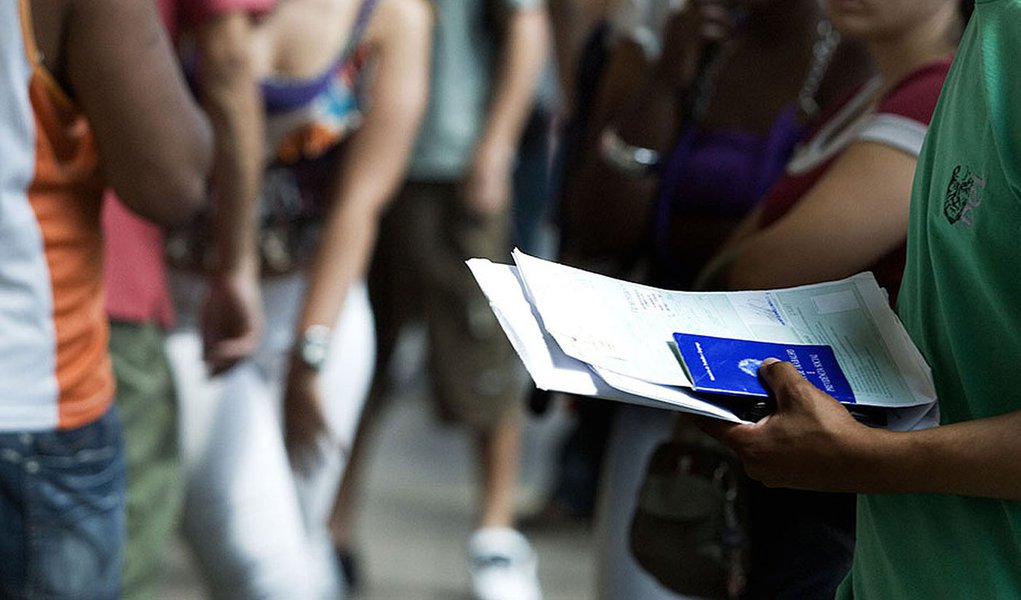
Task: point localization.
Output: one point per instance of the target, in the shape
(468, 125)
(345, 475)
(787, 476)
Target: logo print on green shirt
(964, 193)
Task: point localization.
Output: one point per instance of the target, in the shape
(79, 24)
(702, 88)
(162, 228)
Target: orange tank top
(54, 367)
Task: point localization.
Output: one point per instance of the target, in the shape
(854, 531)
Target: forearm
(375, 159)
(608, 197)
(611, 196)
(972, 458)
(345, 248)
(714, 275)
(812, 442)
(231, 98)
(526, 41)
(774, 259)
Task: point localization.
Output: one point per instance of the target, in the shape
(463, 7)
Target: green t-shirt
(961, 302)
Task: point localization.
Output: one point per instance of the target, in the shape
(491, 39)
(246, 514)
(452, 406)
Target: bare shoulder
(398, 18)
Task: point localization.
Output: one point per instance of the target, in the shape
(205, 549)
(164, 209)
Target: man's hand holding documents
(587, 334)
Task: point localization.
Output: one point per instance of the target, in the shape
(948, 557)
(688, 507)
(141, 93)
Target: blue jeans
(62, 512)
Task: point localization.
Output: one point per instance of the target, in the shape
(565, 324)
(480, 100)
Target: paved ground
(419, 507)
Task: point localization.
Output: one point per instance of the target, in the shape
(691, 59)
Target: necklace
(827, 38)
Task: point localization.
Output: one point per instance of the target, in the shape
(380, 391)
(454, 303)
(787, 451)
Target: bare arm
(153, 141)
(606, 211)
(811, 442)
(716, 268)
(373, 165)
(855, 215)
(230, 96)
(232, 319)
(608, 207)
(526, 39)
(376, 156)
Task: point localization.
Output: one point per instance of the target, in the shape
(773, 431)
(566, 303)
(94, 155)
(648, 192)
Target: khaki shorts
(155, 493)
(419, 271)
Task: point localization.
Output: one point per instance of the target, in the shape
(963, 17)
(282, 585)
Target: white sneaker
(503, 566)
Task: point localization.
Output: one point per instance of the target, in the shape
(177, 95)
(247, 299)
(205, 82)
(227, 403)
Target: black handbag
(689, 525)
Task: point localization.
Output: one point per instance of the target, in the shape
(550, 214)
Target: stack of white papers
(590, 335)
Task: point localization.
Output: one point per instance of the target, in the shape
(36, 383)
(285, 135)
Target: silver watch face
(315, 345)
(313, 354)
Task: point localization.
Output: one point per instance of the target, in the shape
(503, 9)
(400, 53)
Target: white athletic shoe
(503, 566)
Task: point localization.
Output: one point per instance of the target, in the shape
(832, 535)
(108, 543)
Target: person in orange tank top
(71, 121)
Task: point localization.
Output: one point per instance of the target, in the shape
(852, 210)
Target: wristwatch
(314, 346)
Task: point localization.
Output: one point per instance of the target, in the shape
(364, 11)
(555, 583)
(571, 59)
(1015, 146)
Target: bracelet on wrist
(626, 158)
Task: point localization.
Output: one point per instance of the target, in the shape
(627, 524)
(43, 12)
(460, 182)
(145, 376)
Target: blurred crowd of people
(218, 217)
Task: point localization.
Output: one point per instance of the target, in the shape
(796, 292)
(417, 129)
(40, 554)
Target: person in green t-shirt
(940, 510)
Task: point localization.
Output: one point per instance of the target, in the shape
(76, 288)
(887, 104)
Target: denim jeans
(62, 512)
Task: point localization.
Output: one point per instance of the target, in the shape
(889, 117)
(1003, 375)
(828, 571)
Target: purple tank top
(722, 172)
(282, 94)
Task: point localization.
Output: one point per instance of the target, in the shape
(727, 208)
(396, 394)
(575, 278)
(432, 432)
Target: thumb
(784, 381)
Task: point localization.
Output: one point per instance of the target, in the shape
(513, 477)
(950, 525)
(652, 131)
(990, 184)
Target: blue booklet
(731, 366)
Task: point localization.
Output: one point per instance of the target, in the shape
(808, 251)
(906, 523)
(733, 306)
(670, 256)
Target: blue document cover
(730, 366)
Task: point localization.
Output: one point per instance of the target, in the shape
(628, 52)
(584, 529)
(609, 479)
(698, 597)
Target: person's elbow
(175, 182)
(189, 186)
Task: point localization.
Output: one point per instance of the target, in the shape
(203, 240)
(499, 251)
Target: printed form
(590, 333)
